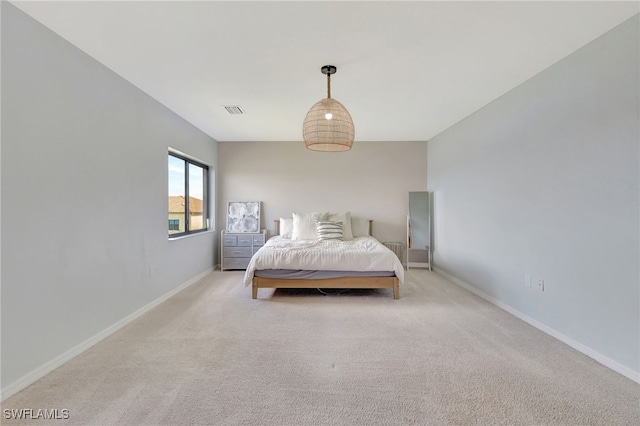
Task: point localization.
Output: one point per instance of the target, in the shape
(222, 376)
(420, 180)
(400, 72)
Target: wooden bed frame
(345, 282)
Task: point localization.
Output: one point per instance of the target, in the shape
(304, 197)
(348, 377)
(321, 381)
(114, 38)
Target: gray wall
(372, 180)
(544, 181)
(84, 197)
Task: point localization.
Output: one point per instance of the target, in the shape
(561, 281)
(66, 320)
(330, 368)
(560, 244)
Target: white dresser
(237, 249)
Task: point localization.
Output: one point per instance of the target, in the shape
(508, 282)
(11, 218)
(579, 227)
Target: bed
(290, 260)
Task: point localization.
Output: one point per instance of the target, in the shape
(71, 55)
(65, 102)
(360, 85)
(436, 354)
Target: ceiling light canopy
(328, 125)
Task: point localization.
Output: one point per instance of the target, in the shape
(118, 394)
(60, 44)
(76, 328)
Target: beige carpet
(439, 355)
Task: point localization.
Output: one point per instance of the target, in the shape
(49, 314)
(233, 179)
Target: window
(188, 195)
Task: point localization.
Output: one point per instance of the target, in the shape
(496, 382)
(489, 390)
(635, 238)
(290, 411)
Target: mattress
(300, 274)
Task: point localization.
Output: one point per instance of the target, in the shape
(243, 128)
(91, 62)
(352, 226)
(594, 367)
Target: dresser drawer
(238, 252)
(258, 240)
(244, 240)
(230, 240)
(235, 263)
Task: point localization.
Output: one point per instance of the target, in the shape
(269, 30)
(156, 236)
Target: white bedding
(359, 254)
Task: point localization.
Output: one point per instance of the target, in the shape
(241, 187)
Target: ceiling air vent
(233, 109)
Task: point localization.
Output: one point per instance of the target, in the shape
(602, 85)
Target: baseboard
(602, 359)
(48, 367)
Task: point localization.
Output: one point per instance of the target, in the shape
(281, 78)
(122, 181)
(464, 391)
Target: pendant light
(328, 125)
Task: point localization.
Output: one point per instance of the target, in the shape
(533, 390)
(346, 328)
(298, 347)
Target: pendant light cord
(328, 86)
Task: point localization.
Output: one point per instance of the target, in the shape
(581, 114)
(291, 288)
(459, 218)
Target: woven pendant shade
(328, 125)
(335, 134)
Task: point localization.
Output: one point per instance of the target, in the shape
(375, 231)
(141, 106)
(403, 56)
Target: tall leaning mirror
(418, 231)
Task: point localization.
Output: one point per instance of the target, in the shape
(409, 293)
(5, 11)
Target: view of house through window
(188, 202)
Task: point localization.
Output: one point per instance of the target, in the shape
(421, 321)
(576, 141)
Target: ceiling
(406, 70)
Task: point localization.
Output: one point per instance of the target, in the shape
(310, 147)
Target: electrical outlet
(527, 280)
(541, 284)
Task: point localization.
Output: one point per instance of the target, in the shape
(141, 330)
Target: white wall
(545, 181)
(372, 180)
(84, 197)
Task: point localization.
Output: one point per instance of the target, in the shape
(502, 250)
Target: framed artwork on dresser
(243, 216)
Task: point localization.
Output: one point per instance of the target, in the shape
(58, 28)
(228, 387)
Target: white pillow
(345, 218)
(360, 227)
(304, 225)
(328, 230)
(286, 226)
